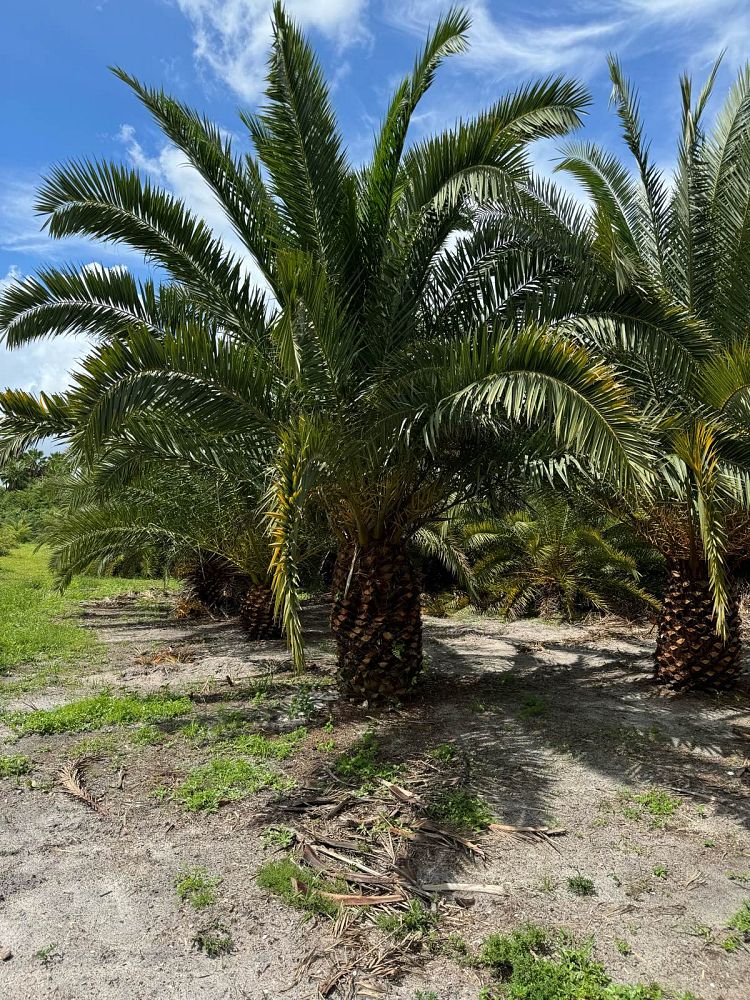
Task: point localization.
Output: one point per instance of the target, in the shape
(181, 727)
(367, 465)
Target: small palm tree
(550, 559)
(375, 369)
(663, 289)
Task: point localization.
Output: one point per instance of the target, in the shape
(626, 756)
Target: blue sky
(58, 100)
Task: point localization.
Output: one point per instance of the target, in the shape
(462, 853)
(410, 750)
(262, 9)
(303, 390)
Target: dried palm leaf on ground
(490, 890)
(72, 780)
(167, 656)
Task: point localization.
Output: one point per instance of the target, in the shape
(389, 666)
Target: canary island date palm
(662, 287)
(350, 344)
(549, 558)
(203, 526)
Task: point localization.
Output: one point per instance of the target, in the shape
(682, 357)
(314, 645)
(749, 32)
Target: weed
(547, 884)
(536, 965)
(301, 704)
(266, 747)
(709, 843)
(147, 736)
(531, 706)
(445, 752)
(421, 995)
(579, 885)
(362, 763)
(286, 879)
(99, 711)
(623, 946)
(743, 877)
(660, 871)
(278, 836)
(326, 746)
(106, 744)
(461, 810)
(197, 887)
(656, 803)
(417, 919)
(731, 943)
(214, 940)
(225, 779)
(741, 921)
(14, 766)
(478, 706)
(46, 955)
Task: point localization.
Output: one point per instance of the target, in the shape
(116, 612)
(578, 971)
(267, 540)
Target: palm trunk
(690, 655)
(376, 620)
(257, 613)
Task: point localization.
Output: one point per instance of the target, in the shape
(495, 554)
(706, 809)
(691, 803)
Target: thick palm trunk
(257, 613)
(689, 653)
(376, 620)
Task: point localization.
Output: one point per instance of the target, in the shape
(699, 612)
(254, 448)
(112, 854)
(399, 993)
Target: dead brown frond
(72, 779)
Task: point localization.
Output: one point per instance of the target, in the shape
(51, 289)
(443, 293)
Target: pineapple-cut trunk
(376, 621)
(690, 654)
(257, 613)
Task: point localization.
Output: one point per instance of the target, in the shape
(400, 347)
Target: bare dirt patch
(545, 726)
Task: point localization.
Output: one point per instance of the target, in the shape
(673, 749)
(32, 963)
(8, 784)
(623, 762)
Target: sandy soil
(550, 725)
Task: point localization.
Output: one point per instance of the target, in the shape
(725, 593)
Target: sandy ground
(551, 725)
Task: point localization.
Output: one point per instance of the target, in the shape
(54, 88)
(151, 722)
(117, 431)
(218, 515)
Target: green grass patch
(579, 885)
(99, 711)
(225, 779)
(656, 805)
(35, 620)
(278, 836)
(416, 919)
(741, 920)
(533, 964)
(445, 753)
(364, 765)
(214, 940)
(461, 810)
(232, 736)
(14, 766)
(197, 887)
(280, 878)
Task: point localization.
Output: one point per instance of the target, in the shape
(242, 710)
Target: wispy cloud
(231, 37)
(572, 38)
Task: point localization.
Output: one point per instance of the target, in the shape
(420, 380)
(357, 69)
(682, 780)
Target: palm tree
(551, 558)
(662, 287)
(199, 524)
(364, 348)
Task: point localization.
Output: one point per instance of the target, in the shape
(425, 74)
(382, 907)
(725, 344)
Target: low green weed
(461, 810)
(197, 887)
(363, 764)
(280, 878)
(14, 766)
(225, 779)
(97, 712)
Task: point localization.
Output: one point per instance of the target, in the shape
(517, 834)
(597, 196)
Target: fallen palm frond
(167, 656)
(71, 778)
(492, 890)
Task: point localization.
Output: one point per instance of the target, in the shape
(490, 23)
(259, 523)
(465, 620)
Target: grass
(461, 810)
(225, 779)
(417, 919)
(532, 706)
(623, 946)
(197, 887)
(362, 764)
(14, 766)
(278, 836)
(579, 885)
(656, 804)
(280, 877)
(99, 711)
(35, 620)
(534, 964)
(741, 921)
(445, 753)
(231, 736)
(660, 871)
(214, 940)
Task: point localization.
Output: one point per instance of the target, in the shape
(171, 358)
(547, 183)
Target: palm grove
(401, 353)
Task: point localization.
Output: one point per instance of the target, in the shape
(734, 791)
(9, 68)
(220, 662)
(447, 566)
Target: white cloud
(45, 365)
(170, 168)
(573, 38)
(232, 36)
